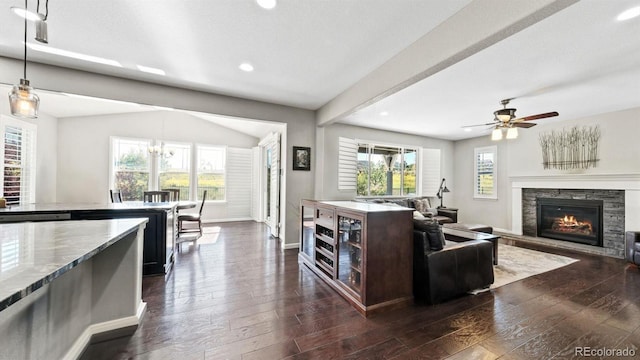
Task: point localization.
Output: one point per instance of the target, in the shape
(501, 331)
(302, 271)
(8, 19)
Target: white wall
(327, 159)
(83, 152)
(619, 153)
(46, 162)
(300, 122)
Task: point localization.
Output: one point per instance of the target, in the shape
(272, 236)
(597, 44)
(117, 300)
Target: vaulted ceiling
(578, 60)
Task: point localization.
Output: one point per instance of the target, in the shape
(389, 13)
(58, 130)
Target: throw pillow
(433, 230)
(421, 205)
(417, 215)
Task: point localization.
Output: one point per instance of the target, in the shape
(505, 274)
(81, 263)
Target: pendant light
(42, 34)
(22, 100)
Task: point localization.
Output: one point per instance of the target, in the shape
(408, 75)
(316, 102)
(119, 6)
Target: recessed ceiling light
(267, 4)
(75, 55)
(384, 113)
(150, 70)
(29, 15)
(467, 129)
(246, 67)
(629, 14)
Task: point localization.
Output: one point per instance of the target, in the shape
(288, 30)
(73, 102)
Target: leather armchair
(632, 247)
(439, 275)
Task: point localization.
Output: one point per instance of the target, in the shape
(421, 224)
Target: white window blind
(485, 172)
(19, 164)
(347, 163)
(239, 180)
(430, 172)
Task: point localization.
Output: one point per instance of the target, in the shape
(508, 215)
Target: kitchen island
(61, 283)
(159, 235)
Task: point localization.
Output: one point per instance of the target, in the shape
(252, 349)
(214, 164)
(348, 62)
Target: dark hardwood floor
(239, 296)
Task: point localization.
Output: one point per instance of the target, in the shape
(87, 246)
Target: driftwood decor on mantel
(575, 148)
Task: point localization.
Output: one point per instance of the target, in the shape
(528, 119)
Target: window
(139, 165)
(19, 164)
(131, 167)
(385, 170)
(485, 176)
(175, 162)
(211, 172)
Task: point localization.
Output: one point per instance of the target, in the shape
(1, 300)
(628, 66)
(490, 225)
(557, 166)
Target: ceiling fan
(505, 118)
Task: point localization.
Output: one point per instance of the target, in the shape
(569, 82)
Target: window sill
(485, 198)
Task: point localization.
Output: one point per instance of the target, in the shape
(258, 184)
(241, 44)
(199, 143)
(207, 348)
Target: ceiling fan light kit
(505, 119)
(496, 134)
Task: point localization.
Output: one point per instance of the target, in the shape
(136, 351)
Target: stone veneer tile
(613, 213)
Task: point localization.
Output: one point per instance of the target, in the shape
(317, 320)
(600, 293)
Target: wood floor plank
(238, 295)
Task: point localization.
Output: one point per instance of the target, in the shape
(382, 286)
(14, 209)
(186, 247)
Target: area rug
(516, 263)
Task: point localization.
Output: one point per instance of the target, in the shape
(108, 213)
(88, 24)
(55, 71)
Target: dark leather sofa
(440, 275)
(632, 247)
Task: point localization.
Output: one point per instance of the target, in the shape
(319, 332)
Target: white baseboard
(289, 246)
(213, 221)
(94, 329)
(504, 231)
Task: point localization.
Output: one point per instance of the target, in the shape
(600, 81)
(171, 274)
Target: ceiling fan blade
(468, 126)
(524, 125)
(539, 116)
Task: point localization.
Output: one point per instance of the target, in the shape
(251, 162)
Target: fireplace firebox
(573, 220)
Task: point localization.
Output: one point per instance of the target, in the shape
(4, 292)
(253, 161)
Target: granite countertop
(61, 207)
(33, 254)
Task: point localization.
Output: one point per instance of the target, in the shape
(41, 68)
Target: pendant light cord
(25, 41)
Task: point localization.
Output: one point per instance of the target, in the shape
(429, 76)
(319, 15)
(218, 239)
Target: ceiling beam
(477, 26)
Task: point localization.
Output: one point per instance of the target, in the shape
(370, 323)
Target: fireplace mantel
(578, 181)
(628, 182)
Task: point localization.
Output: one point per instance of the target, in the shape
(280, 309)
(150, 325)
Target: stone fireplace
(575, 220)
(616, 197)
(607, 232)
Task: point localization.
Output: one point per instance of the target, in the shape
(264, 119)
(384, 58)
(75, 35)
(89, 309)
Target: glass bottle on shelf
(308, 231)
(350, 252)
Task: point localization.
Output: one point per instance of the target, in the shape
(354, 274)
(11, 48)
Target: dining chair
(174, 194)
(156, 196)
(116, 196)
(191, 218)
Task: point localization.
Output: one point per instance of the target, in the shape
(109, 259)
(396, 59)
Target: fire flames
(569, 224)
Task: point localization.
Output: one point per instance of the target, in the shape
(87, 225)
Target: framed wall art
(301, 158)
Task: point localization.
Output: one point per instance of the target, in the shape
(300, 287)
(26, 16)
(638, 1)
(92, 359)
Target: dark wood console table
(362, 250)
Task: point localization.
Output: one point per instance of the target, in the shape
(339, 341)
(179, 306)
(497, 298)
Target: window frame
(402, 151)
(154, 164)
(492, 149)
(196, 171)
(112, 171)
(158, 165)
(28, 165)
